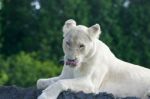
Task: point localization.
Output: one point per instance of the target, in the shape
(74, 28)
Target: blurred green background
(31, 34)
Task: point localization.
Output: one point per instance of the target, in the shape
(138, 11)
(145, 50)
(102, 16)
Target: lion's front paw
(43, 83)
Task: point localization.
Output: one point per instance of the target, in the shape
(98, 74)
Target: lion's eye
(81, 46)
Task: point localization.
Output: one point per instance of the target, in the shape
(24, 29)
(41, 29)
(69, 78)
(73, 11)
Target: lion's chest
(82, 72)
(77, 73)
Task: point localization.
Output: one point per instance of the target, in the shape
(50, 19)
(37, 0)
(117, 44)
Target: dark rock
(14, 92)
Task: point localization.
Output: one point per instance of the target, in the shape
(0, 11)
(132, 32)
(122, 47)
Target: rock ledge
(14, 92)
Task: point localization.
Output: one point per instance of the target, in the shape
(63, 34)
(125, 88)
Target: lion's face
(77, 43)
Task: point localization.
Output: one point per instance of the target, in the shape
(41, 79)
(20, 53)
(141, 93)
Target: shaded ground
(13, 92)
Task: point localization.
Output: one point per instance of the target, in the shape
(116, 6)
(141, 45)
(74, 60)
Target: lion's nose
(72, 59)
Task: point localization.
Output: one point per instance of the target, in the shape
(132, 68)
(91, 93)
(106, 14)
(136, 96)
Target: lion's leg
(44, 83)
(77, 84)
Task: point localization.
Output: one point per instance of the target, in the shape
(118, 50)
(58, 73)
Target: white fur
(98, 69)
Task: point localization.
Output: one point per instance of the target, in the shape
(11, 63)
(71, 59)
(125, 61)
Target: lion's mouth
(71, 63)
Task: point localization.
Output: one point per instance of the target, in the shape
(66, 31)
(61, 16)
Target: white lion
(91, 67)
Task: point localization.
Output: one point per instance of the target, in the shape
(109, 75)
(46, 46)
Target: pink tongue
(73, 63)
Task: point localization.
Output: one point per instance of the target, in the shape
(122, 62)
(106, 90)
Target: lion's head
(78, 42)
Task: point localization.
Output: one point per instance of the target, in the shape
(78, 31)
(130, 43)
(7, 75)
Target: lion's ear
(94, 31)
(68, 25)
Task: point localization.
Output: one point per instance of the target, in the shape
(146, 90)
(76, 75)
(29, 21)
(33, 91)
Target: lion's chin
(72, 64)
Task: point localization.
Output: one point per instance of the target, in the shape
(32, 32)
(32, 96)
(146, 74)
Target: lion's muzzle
(71, 62)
